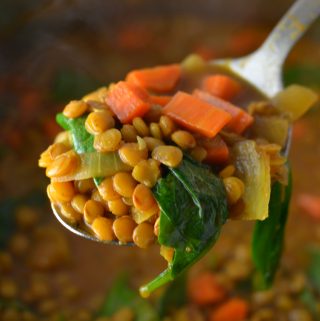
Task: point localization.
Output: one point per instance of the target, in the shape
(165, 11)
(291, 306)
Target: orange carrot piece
(221, 86)
(204, 289)
(241, 120)
(160, 100)
(310, 204)
(158, 79)
(127, 101)
(196, 114)
(233, 310)
(217, 150)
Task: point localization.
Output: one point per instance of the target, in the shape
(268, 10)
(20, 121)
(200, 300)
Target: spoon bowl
(262, 69)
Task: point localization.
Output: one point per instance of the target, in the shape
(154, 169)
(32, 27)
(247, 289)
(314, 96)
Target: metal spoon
(262, 69)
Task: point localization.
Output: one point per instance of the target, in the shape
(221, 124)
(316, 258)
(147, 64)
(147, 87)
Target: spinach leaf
(174, 296)
(314, 269)
(268, 235)
(308, 75)
(193, 209)
(82, 140)
(121, 296)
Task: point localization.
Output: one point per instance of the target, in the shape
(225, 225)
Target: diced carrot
(196, 114)
(160, 100)
(221, 86)
(127, 101)
(241, 120)
(204, 289)
(217, 150)
(158, 79)
(310, 204)
(233, 310)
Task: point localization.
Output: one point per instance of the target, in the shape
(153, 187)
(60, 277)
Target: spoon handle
(289, 29)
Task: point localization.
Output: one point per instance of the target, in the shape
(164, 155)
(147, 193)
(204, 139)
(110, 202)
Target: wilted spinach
(193, 209)
(268, 235)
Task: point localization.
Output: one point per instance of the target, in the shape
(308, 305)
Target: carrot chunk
(158, 79)
(241, 120)
(221, 86)
(128, 101)
(217, 150)
(196, 114)
(160, 100)
(233, 310)
(310, 204)
(204, 289)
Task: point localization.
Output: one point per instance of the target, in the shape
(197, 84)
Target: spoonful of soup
(171, 152)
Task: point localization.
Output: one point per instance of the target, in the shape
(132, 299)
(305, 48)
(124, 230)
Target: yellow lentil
(147, 172)
(143, 198)
(168, 155)
(78, 202)
(131, 154)
(84, 185)
(140, 126)
(199, 153)
(143, 235)
(124, 184)
(234, 187)
(167, 125)
(97, 95)
(108, 141)
(61, 191)
(71, 215)
(152, 143)
(123, 228)
(99, 121)
(129, 133)
(75, 109)
(167, 253)
(64, 138)
(118, 207)
(63, 164)
(227, 171)
(92, 210)
(183, 139)
(51, 153)
(102, 227)
(107, 191)
(155, 130)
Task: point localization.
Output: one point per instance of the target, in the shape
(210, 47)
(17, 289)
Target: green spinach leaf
(193, 209)
(121, 296)
(268, 235)
(82, 140)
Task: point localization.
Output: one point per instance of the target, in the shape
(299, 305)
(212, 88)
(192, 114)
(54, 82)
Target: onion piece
(96, 165)
(253, 167)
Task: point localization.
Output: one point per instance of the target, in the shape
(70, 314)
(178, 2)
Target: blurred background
(58, 50)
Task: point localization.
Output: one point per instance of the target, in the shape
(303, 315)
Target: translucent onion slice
(253, 167)
(96, 165)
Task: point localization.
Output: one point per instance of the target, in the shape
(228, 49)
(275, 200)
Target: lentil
(108, 141)
(143, 235)
(78, 202)
(97, 95)
(99, 121)
(147, 172)
(75, 109)
(102, 227)
(129, 133)
(157, 227)
(155, 130)
(131, 154)
(67, 211)
(51, 153)
(183, 139)
(140, 126)
(118, 207)
(64, 164)
(168, 155)
(84, 185)
(107, 191)
(199, 153)
(167, 253)
(152, 143)
(143, 198)
(124, 184)
(167, 125)
(234, 187)
(61, 191)
(123, 228)
(92, 209)
(227, 171)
